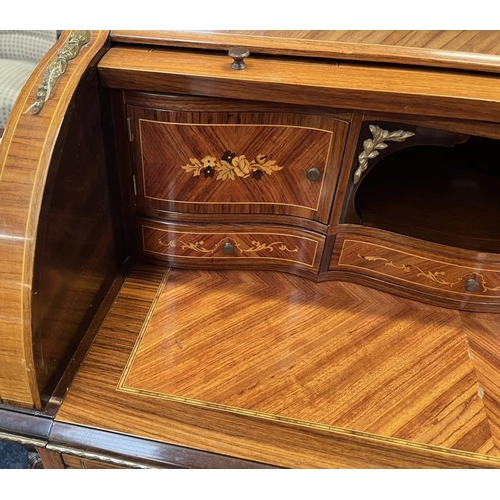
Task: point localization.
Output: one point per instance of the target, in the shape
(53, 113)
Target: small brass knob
(313, 174)
(239, 54)
(228, 248)
(472, 285)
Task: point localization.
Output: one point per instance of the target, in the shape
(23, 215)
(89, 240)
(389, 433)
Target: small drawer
(235, 162)
(408, 267)
(230, 245)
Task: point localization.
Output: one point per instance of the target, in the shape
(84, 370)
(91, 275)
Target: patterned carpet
(13, 456)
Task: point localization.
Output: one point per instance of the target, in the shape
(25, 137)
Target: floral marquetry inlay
(230, 166)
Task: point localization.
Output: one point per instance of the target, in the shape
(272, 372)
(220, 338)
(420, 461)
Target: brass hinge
(134, 184)
(129, 127)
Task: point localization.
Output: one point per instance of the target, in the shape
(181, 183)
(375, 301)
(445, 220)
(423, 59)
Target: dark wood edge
(24, 426)
(129, 451)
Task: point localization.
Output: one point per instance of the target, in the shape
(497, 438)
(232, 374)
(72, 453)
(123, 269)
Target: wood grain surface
(421, 266)
(414, 268)
(273, 368)
(25, 154)
(235, 161)
(431, 92)
(465, 49)
(250, 246)
(128, 451)
(80, 244)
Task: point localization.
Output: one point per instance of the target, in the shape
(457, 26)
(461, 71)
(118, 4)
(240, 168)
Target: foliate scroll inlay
(435, 276)
(231, 166)
(438, 277)
(255, 246)
(379, 141)
(58, 67)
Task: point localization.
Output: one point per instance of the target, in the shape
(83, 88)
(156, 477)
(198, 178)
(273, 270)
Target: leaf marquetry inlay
(256, 246)
(231, 166)
(435, 276)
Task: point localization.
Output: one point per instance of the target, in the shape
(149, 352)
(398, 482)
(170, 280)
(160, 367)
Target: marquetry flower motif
(231, 166)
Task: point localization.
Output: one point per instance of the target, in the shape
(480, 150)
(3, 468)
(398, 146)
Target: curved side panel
(25, 156)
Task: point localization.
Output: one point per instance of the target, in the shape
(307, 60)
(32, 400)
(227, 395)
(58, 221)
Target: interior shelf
(439, 194)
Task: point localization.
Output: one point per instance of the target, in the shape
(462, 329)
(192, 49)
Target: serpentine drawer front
(230, 245)
(409, 267)
(235, 162)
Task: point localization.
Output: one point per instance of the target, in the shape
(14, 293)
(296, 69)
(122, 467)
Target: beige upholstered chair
(20, 51)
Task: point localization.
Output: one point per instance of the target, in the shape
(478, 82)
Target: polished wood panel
(471, 49)
(109, 448)
(294, 373)
(425, 267)
(249, 245)
(462, 126)
(412, 268)
(173, 102)
(483, 339)
(80, 243)
(443, 94)
(235, 161)
(25, 155)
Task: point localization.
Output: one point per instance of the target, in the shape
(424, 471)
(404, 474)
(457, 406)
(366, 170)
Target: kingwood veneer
(275, 369)
(311, 246)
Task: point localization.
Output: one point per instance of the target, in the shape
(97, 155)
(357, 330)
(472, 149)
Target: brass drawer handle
(239, 54)
(313, 174)
(228, 248)
(472, 285)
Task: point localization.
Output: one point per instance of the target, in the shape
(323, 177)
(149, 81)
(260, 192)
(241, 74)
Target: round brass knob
(239, 54)
(472, 285)
(313, 174)
(228, 248)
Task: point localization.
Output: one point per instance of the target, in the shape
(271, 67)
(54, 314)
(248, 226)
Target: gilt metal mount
(370, 146)
(58, 67)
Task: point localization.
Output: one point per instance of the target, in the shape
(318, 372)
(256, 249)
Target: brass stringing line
(143, 329)
(306, 423)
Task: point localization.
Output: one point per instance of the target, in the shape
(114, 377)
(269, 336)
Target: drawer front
(236, 162)
(409, 268)
(176, 243)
